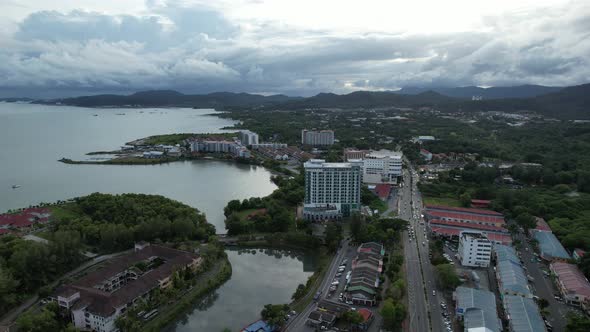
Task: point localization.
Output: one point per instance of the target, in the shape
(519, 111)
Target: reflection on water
(260, 276)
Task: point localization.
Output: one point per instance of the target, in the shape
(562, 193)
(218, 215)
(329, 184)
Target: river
(34, 137)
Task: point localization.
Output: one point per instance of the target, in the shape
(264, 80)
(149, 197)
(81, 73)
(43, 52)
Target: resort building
(474, 249)
(332, 190)
(220, 146)
(477, 309)
(248, 137)
(97, 299)
(317, 137)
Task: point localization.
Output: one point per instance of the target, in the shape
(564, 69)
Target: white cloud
(294, 47)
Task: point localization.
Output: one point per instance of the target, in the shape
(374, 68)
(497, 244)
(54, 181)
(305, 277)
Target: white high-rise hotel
(332, 190)
(248, 137)
(317, 138)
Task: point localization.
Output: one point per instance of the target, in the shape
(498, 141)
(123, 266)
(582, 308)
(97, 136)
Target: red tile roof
(461, 209)
(571, 278)
(481, 201)
(366, 313)
(542, 225)
(25, 218)
(465, 216)
(580, 252)
(383, 190)
(468, 225)
(504, 239)
(4, 231)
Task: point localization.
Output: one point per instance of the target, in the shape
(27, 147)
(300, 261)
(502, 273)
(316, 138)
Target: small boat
(95, 115)
(15, 186)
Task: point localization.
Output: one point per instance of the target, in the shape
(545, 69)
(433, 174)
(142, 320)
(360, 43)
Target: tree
(46, 320)
(393, 314)
(447, 276)
(8, 290)
(333, 236)
(274, 314)
(577, 323)
(299, 292)
(352, 317)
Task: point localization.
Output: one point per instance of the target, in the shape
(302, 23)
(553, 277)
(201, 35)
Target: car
(349, 302)
(433, 292)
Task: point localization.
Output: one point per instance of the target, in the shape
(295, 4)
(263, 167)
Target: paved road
(543, 286)
(417, 304)
(298, 323)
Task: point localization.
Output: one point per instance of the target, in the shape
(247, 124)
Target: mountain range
(520, 91)
(563, 103)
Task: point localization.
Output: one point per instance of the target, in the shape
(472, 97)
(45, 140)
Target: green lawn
(67, 210)
(442, 201)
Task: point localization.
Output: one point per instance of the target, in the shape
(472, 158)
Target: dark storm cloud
(198, 50)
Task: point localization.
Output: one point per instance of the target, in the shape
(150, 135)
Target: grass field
(442, 201)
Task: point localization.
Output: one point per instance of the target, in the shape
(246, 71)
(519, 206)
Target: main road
(423, 295)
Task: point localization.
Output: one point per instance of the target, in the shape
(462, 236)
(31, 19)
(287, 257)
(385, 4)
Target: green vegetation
(577, 323)
(383, 230)
(274, 314)
(276, 212)
(448, 201)
(372, 200)
(393, 314)
(48, 319)
(104, 223)
(447, 276)
(169, 139)
(123, 161)
(108, 223)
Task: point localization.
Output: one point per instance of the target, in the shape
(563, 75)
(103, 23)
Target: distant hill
(154, 98)
(521, 91)
(565, 103)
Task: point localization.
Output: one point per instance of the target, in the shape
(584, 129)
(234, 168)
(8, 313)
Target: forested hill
(501, 92)
(567, 103)
(157, 98)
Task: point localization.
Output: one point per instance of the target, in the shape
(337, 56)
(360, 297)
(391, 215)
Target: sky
(294, 47)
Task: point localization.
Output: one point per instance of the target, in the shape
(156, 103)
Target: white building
(474, 249)
(248, 137)
(332, 190)
(382, 166)
(231, 147)
(317, 138)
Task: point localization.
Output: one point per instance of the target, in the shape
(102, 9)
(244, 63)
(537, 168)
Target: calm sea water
(34, 137)
(259, 277)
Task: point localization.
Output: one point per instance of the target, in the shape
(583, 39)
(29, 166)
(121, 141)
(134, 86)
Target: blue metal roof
(523, 314)
(550, 246)
(259, 326)
(478, 308)
(505, 253)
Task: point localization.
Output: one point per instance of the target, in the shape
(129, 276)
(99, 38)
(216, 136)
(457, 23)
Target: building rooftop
(464, 210)
(523, 314)
(550, 246)
(321, 163)
(103, 302)
(383, 190)
(542, 225)
(465, 216)
(258, 326)
(512, 278)
(571, 278)
(385, 154)
(479, 309)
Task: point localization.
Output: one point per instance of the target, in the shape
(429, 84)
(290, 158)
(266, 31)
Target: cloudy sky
(295, 47)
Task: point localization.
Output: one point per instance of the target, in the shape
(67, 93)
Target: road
(298, 322)
(417, 303)
(543, 286)
(423, 293)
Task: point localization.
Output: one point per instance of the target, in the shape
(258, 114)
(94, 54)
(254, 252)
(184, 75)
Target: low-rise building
(572, 284)
(364, 279)
(97, 299)
(427, 155)
(474, 249)
(512, 279)
(550, 248)
(354, 154)
(523, 314)
(578, 254)
(477, 309)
